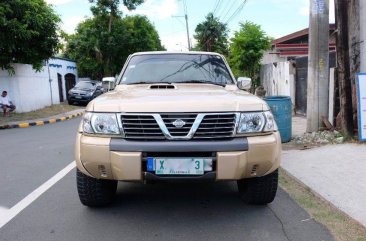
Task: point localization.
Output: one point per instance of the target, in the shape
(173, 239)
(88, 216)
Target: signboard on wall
(361, 84)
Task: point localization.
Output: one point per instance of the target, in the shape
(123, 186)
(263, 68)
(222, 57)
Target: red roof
(296, 44)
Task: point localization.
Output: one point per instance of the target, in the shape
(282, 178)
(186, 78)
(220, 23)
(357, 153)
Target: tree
(110, 8)
(211, 35)
(246, 50)
(28, 33)
(343, 67)
(99, 53)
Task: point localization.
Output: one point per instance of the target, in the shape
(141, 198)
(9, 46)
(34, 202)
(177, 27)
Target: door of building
(60, 90)
(301, 85)
(69, 82)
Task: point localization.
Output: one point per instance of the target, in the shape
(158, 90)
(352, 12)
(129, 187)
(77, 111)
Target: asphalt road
(30, 157)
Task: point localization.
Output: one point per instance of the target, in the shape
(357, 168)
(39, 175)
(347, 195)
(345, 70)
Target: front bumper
(78, 98)
(119, 159)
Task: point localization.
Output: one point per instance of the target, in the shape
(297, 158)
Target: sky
(276, 17)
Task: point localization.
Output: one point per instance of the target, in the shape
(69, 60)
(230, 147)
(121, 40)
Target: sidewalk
(335, 172)
(42, 121)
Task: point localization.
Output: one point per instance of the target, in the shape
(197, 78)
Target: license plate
(176, 166)
(78, 97)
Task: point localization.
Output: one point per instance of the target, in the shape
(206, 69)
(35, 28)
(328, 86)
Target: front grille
(169, 120)
(141, 127)
(178, 126)
(216, 126)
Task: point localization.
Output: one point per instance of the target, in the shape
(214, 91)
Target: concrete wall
(363, 35)
(63, 67)
(31, 90)
(279, 79)
(269, 57)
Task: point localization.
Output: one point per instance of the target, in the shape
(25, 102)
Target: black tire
(95, 192)
(70, 102)
(259, 190)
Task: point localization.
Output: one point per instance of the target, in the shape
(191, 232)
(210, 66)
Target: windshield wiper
(203, 81)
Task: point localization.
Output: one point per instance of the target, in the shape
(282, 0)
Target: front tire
(259, 190)
(95, 192)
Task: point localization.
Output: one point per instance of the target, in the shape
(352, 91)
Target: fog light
(102, 171)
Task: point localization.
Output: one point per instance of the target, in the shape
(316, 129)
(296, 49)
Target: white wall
(270, 57)
(30, 90)
(278, 79)
(62, 67)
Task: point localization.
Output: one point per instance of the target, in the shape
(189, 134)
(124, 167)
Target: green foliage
(112, 5)
(246, 50)
(110, 8)
(211, 35)
(28, 33)
(100, 53)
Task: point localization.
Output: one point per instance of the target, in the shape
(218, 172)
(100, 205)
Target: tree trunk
(343, 67)
(355, 52)
(110, 23)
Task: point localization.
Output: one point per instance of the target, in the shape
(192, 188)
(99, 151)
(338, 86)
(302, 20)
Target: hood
(183, 98)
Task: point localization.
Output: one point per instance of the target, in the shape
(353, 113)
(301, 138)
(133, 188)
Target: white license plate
(179, 166)
(78, 97)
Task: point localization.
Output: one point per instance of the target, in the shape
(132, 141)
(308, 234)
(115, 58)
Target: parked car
(84, 92)
(177, 117)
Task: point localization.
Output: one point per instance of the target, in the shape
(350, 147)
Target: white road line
(8, 214)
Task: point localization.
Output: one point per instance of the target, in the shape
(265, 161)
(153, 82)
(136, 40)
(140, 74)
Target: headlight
(100, 123)
(256, 122)
(89, 93)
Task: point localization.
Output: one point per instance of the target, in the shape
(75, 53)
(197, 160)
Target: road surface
(39, 201)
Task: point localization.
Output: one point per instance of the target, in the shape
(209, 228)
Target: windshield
(176, 68)
(85, 85)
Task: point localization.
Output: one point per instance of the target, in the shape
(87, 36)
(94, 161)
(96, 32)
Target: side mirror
(244, 83)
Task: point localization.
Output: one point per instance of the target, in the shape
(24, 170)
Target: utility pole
(318, 65)
(186, 18)
(343, 67)
(189, 42)
(188, 39)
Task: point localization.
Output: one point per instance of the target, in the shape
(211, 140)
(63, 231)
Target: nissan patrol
(177, 117)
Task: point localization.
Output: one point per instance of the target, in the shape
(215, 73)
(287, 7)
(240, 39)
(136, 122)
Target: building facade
(31, 90)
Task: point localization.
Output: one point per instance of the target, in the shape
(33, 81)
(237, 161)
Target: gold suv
(177, 117)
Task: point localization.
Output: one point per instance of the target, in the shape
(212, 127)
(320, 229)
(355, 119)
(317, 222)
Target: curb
(41, 123)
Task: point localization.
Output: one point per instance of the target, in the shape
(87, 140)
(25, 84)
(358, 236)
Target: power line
(216, 6)
(237, 11)
(229, 9)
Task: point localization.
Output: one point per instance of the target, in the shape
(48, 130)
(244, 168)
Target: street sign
(361, 86)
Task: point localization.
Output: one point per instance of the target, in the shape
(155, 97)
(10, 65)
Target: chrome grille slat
(216, 126)
(196, 126)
